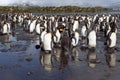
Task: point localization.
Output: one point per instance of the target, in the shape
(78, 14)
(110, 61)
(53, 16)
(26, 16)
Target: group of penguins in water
(65, 32)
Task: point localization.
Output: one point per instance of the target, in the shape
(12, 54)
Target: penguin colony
(64, 31)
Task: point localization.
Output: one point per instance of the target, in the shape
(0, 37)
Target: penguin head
(61, 28)
(5, 22)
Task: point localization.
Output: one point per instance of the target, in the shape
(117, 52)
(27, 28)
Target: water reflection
(57, 54)
(57, 60)
(75, 54)
(111, 58)
(6, 39)
(13, 37)
(61, 56)
(64, 56)
(92, 58)
(83, 42)
(46, 61)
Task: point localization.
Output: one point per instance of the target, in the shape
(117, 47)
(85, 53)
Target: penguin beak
(61, 30)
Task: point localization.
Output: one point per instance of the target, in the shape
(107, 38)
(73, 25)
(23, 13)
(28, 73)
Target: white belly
(47, 41)
(75, 25)
(32, 27)
(83, 32)
(92, 39)
(57, 40)
(5, 29)
(42, 35)
(9, 30)
(113, 40)
(74, 43)
(38, 29)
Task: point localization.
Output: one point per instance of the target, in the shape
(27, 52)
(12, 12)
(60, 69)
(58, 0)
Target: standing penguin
(42, 34)
(6, 28)
(41, 39)
(83, 35)
(47, 42)
(65, 41)
(75, 25)
(75, 39)
(14, 23)
(9, 27)
(37, 29)
(84, 31)
(92, 39)
(112, 36)
(57, 36)
(111, 40)
(32, 26)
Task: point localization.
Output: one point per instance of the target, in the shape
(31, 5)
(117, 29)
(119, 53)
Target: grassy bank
(51, 9)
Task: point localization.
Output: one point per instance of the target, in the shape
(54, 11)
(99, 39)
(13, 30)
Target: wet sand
(19, 60)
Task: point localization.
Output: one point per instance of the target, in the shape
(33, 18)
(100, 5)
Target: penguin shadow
(110, 58)
(92, 58)
(75, 54)
(46, 61)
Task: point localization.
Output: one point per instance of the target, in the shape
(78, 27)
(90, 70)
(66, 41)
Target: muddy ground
(19, 60)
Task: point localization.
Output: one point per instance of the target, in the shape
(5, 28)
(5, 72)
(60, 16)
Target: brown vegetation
(51, 9)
